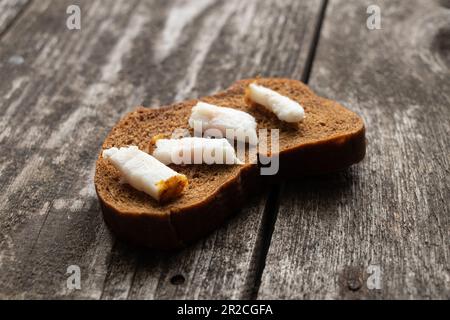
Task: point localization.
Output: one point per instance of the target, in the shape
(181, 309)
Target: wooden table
(62, 90)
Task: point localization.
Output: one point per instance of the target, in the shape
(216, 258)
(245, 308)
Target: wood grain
(392, 210)
(9, 10)
(223, 265)
(58, 103)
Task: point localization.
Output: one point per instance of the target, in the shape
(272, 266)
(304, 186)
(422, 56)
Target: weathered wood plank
(392, 210)
(54, 114)
(9, 10)
(278, 37)
(58, 104)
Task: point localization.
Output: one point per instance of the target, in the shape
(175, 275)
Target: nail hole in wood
(354, 284)
(441, 45)
(445, 3)
(177, 280)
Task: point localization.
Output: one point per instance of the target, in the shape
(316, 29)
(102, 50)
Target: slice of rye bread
(330, 138)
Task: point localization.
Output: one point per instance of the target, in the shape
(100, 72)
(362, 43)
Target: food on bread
(195, 150)
(285, 108)
(330, 138)
(232, 123)
(145, 173)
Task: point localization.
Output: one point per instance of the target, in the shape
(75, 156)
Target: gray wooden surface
(62, 90)
(392, 210)
(10, 10)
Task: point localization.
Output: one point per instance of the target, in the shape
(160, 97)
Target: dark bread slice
(330, 138)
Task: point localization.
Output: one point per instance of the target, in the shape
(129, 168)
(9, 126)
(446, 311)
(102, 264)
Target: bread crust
(179, 227)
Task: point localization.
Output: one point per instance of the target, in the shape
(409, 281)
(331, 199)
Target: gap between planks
(273, 202)
(57, 228)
